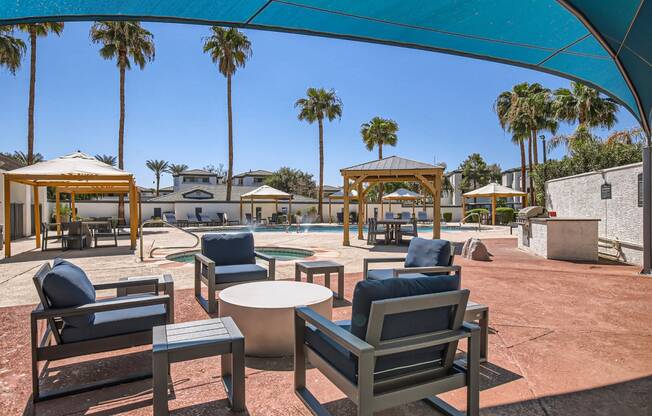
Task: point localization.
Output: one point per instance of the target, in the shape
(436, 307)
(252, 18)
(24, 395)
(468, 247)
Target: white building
(190, 178)
(251, 178)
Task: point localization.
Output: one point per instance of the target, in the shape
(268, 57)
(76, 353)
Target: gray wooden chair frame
(46, 237)
(371, 395)
(42, 336)
(112, 232)
(210, 304)
(412, 232)
(373, 231)
(450, 268)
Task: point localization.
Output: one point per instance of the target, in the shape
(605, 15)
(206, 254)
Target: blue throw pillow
(227, 249)
(67, 286)
(428, 253)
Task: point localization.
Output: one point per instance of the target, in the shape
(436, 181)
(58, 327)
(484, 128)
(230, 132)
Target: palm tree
(35, 30)
(627, 136)
(507, 109)
(176, 169)
(377, 132)
(229, 49)
(124, 41)
(158, 167)
(11, 49)
(108, 159)
(316, 106)
(21, 157)
(584, 105)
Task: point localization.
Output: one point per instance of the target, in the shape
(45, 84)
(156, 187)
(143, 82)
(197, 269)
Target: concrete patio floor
(566, 338)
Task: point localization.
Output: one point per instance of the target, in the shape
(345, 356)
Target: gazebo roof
(266, 192)
(73, 164)
(391, 163)
(340, 194)
(494, 189)
(402, 194)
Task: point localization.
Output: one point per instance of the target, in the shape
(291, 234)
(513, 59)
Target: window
(197, 210)
(205, 180)
(157, 212)
(640, 189)
(258, 180)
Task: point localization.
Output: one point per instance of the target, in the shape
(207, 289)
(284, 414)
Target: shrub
(448, 216)
(474, 218)
(505, 215)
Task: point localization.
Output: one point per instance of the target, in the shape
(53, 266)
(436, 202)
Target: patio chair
(227, 221)
(204, 219)
(374, 230)
(409, 230)
(106, 231)
(170, 218)
(77, 236)
(389, 215)
(424, 258)
(228, 259)
(192, 219)
(406, 215)
(248, 219)
(78, 324)
(46, 229)
(219, 218)
(399, 347)
(273, 219)
(340, 217)
(422, 216)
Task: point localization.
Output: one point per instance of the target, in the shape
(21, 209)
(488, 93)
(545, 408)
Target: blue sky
(176, 107)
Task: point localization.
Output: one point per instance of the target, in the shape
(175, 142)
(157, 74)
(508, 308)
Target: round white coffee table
(264, 312)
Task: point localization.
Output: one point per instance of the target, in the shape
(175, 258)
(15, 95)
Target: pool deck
(566, 338)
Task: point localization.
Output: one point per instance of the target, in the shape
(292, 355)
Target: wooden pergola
(268, 193)
(339, 196)
(76, 173)
(493, 191)
(403, 194)
(391, 169)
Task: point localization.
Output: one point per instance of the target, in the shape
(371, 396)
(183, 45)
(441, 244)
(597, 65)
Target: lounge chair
(424, 258)
(78, 324)
(192, 219)
(204, 219)
(406, 215)
(399, 348)
(389, 215)
(374, 230)
(106, 231)
(422, 216)
(228, 259)
(218, 218)
(227, 221)
(170, 218)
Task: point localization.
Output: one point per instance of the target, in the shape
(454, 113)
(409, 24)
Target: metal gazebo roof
(606, 44)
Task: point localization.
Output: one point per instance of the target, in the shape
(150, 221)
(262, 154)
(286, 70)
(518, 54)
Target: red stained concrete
(567, 339)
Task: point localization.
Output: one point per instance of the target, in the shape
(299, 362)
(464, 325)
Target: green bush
(505, 215)
(474, 218)
(448, 216)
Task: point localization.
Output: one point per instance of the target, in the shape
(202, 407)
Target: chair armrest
(433, 269)
(271, 264)
(109, 305)
(205, 260)
(263, 256)
(366, 261)
(470, 327)
(341, 336)
(127, 283)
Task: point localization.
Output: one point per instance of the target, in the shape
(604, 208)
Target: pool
(279, 253)
(321, 228)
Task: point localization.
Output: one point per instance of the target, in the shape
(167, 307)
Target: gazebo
(265, 192)
(493, 191)
(390, 169)
(403, 194)
(339, 196)
(76, 173)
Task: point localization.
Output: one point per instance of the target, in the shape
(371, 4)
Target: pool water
(318, 228)
(279, 253)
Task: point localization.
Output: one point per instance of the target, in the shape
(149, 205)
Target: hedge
(505, 215)
(481, 211)
(448, 216)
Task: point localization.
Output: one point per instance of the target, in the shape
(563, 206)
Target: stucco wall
(620, 217)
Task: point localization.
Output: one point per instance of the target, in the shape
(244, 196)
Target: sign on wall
(605, 191)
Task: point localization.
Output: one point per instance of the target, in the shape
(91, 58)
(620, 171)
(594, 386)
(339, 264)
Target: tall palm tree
(176, 169)
(35, 30)
(378, 132)
(11, 49)
(21, 157)
(319, 104)
(158, 167)
(507, 108)
(586, 107)
(125, 42)
(627, 136)
(108, 159)
(229, 49)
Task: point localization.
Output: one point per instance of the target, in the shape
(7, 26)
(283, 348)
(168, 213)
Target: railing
(477, 217)
(164, 223)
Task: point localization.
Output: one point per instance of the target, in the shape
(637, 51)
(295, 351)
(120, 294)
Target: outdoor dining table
(394, 227)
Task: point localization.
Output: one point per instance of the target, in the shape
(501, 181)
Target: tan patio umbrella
(339, 196)
(265, 192)
(493, 191)
(403, 194)
(76, 173)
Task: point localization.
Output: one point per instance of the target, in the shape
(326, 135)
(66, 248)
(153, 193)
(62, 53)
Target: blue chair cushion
(383, 274)
(239, 273)
(226, 249)
(406, 323)
(66, 286)
(428, 253)
(118, 322)
(337, 356)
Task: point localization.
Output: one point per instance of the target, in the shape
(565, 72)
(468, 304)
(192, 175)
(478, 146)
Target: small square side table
(325, 267)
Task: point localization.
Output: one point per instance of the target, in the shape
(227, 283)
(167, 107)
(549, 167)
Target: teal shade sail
(603, 43)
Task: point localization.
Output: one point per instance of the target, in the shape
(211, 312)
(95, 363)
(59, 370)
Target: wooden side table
(199, 339)
(325, 267)
(476, 312)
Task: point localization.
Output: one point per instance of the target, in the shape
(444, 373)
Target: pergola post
(361, 216)
(493, 210)
(133, 214)
(346, 240)
(37, 218)
(463, 207)
(436, 207)
(73, 214)
(414, 208)
(290, 210)
(241, 211)
(330, 215)
(7, 202)
(252, 210)
(57, 210)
